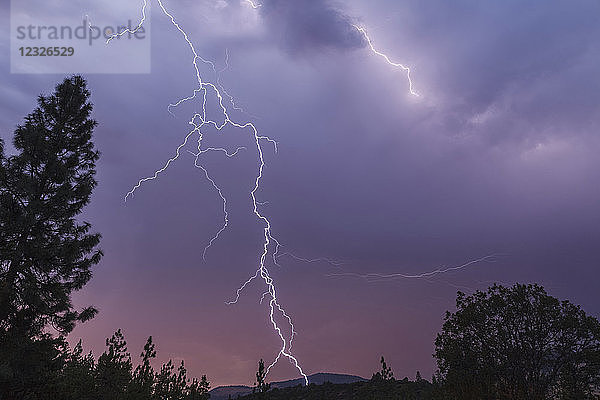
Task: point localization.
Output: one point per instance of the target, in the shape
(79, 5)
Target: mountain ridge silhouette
(223, 392)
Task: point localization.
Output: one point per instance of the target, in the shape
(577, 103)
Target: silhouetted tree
(142, 385)
(174, 386)
(28, 366)
(45, 252)
(198, 390)
(261, 385)
(114, 368)
(77, 379)
(518, 343)
(385, 374)
(166, 386)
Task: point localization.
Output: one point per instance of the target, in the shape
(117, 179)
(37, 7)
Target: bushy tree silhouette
(518, 343)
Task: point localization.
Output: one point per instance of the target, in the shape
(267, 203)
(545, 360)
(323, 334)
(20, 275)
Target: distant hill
(223, 392)
(370, 390)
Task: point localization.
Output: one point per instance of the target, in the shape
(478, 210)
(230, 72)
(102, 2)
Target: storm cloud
(309, 25)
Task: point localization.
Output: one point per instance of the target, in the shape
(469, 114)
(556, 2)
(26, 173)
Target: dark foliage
(373, 390)
(113, 376)
(61, 373)
(385, 374)
(261, 385)
(518, 343)
(45, 253)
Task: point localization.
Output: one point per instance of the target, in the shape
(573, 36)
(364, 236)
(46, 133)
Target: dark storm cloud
(303, 26)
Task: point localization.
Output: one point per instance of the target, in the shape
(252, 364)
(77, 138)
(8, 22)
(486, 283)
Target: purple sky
(499, 155)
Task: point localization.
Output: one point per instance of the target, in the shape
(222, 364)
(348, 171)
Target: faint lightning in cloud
(334, 263)
(387, 59)
(372, 277)
(224, 91)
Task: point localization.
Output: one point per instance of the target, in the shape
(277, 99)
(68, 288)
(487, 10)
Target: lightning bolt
(198, 121)
(387, 59)
(253, 4)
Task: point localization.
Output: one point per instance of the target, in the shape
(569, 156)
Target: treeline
(505, 343)
(382, 386)
(49, 369)
(372, 390)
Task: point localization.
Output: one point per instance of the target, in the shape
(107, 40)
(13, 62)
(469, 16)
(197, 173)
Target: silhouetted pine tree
(385, 374)
(77, 378)
(45, 252)
(114, 368)
(142, 385)
(198, 390)
(261, 385)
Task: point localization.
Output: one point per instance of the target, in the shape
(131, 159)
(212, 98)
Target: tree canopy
(518, 343)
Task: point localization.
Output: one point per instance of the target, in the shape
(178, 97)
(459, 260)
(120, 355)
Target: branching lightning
(387, 59)
(198, 121)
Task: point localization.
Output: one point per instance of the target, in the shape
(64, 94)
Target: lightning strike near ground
(388, 60)
(198, 121)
